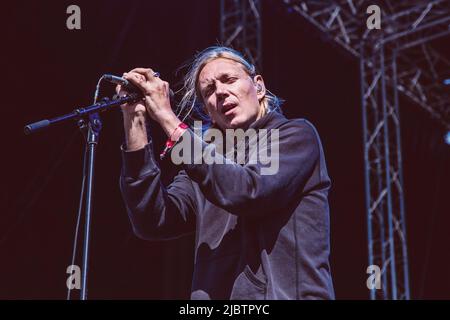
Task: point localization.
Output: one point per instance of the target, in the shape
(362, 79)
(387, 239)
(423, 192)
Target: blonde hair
(192, 101)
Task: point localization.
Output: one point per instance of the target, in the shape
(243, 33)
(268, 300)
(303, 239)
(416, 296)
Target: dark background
(51, 70)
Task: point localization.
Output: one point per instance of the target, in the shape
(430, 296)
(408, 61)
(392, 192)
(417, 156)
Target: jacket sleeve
(155, 212)
(254, 188)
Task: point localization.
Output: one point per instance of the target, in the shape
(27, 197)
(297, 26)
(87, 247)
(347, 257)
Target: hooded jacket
(257, 236)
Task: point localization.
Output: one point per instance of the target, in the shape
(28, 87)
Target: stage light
(447, 137)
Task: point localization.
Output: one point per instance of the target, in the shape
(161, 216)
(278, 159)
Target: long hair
(191, 104)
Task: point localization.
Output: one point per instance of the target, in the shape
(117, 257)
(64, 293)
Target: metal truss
(387, 245)
(420, 77)
(240, 28)
(395, 59)
(405, 25)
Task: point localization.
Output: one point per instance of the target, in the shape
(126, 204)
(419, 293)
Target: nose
(221, 91)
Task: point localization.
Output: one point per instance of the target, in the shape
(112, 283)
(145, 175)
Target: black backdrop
(50, 70)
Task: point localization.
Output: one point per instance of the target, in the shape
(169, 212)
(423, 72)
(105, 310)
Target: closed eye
(225, 79)
(208, 91)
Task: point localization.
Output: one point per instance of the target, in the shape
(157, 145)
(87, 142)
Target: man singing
(258, 234)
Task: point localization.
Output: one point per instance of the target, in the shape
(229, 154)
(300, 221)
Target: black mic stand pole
(93, 133)
(94, 125)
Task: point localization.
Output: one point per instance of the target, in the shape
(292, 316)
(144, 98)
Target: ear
(260, 87)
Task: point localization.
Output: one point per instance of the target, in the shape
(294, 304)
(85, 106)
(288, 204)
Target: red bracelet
(172, 141)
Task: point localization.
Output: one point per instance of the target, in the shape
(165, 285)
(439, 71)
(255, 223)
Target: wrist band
(178, 132)
(173, 139)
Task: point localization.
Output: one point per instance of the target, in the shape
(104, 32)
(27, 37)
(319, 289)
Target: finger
(118, 88)
(121, 92)
(139, 76)
(147, 72)
(138, 80)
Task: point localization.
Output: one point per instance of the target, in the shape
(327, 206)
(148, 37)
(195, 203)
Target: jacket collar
(270, 120)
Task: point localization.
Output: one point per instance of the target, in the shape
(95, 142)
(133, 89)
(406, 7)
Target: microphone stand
(90, 115)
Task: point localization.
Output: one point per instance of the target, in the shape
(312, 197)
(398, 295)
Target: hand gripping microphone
(127, 85)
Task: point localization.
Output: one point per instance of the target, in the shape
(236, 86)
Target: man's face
(229, 94)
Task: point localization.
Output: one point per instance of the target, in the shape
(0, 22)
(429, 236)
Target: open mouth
(228, 108)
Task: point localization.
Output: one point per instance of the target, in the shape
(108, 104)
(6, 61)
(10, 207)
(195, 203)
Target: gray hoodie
(256, 236)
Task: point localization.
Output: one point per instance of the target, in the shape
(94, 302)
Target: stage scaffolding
(394, 60)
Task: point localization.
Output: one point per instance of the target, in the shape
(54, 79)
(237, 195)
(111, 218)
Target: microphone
(127, 85)
(115, 79)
